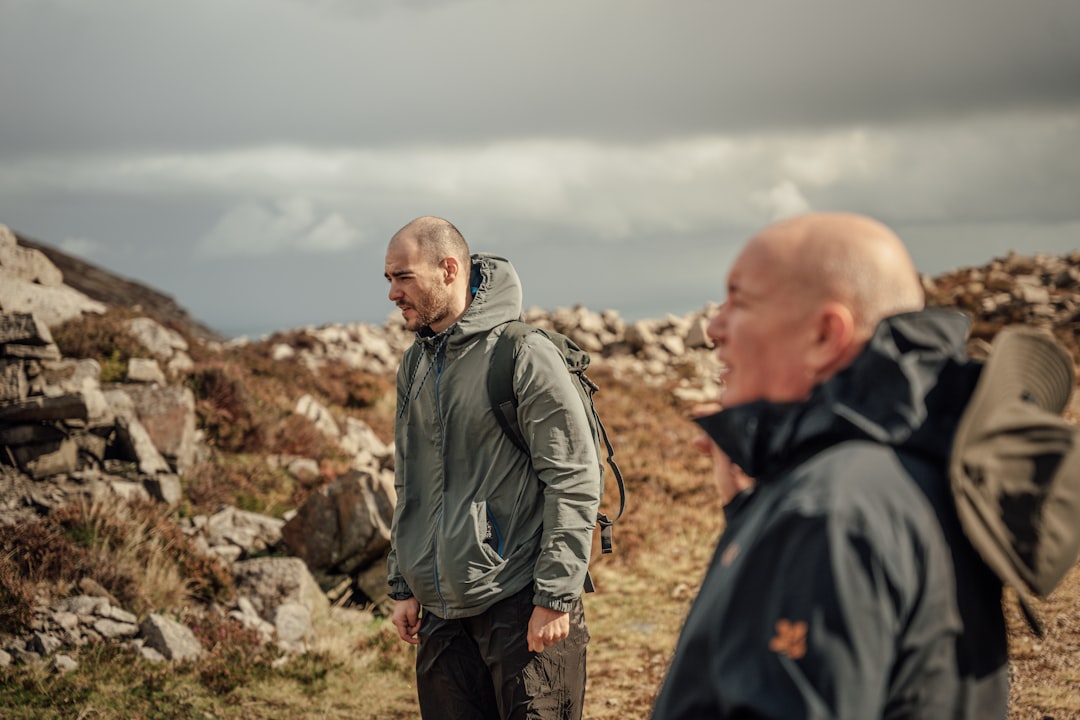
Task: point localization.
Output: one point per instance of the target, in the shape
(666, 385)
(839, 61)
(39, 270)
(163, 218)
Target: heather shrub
(103, 338)
(235, 654)
(39, 553)
(297, 435)
(225, 408)
(244, 481)
(16, 598)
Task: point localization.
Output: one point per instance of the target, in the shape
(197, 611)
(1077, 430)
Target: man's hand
(406, 618)
(547, 627)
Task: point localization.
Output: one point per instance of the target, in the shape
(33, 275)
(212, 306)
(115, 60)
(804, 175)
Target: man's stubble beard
(432, 309)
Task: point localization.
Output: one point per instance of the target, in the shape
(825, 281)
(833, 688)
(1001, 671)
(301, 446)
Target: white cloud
(783, 200)
(79, 246)
(292, 224)
(994, 167)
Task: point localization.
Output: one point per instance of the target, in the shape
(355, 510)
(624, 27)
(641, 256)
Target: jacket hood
(906, 389)
(496, 300)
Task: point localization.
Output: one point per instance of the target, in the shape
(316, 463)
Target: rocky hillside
(115, 291)
(266, 465)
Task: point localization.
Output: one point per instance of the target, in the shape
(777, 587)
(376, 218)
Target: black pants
(480, 668)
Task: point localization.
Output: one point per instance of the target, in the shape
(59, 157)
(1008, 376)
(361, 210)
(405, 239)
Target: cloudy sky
(251, 158)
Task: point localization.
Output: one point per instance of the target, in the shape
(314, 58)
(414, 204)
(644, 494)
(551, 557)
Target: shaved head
(436, 238)
(848, 258)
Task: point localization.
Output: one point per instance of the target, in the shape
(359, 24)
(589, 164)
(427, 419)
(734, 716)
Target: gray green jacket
(460, 479)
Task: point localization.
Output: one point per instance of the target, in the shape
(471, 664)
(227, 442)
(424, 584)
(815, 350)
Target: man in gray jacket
(489, 546)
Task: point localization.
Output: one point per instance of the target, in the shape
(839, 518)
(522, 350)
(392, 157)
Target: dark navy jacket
(842, 586)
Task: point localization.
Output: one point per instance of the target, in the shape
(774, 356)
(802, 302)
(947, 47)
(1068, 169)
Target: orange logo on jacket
(790, 639)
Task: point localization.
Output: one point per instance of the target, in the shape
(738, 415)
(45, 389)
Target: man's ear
(833, 344)
(450, 267)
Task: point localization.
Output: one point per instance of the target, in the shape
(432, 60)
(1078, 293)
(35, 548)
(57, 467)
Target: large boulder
(345, 525)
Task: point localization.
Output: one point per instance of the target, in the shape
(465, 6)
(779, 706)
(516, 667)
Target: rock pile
(57, 421)
(79, 619)
(1039, 290)
(674, 349)
(30, 283)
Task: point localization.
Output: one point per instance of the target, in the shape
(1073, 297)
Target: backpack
(500, 387)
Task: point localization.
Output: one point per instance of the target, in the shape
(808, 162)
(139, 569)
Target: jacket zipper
(440, 364)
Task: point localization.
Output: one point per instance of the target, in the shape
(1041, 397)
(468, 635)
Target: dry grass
(1046, 671)
(134, 551)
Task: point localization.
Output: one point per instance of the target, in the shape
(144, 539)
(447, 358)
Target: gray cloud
(252, 157)
(204, 74)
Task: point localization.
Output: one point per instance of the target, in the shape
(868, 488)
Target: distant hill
(116, 291)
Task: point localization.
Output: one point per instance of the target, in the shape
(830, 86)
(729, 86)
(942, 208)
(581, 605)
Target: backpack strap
(500, 381)
(602, 518)
(500, 386)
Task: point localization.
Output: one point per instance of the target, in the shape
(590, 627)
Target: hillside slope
(116, 291)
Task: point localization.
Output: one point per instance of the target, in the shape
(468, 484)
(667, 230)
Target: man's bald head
(436, 239)
(804, 296)
(847, 258)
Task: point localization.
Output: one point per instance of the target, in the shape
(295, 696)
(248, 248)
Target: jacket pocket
(488, 531)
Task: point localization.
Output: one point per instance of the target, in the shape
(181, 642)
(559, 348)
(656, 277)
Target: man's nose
(717, 326)
(395, 292)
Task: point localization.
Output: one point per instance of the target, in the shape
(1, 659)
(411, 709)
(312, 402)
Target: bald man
(489, 545)
(842, 586)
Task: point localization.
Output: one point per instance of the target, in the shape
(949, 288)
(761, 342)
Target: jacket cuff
(553, 603)
(399, 590)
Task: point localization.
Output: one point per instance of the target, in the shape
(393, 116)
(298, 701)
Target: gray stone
(144, 370)
(129, 490)
(150, 654)
(43, 409)
(165, 488)
(53, 305)
(167, 412)
(30, 434)
(70, 376)
(313, 410)
(343, 525)
(43, 644)
(66, 620)
(162, 342)
(292, 625)
(123, 616)
(13, 383)
(273, 581)
(62, 664)
(134, 439)
(173, 640)
(113, 629)
(42, 461)
(359, 436)
(26, 264)
(84, 605)
(38, 352)
(23, 329)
